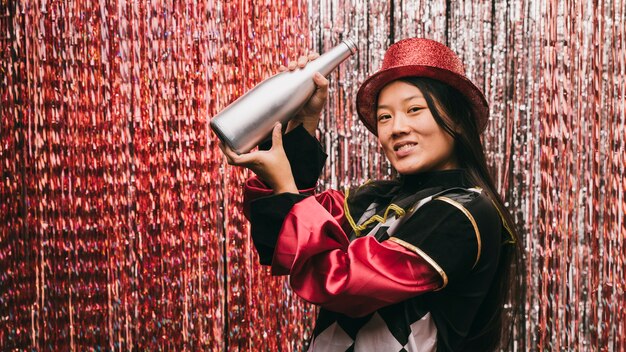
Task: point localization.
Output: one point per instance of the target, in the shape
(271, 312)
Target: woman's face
(409, 135)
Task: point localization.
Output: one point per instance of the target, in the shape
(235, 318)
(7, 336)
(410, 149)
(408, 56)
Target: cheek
(439, 142)
(444, 140)
(447, 145)
(385, 145)
(382, 138)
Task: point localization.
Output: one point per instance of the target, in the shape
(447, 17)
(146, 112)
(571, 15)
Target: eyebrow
(403, 100)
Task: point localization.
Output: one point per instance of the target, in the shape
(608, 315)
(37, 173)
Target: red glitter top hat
(419, 57)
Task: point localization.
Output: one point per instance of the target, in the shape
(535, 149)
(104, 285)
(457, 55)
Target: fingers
(300, 62)
(228, 153)
(232, 158)
(254, 157)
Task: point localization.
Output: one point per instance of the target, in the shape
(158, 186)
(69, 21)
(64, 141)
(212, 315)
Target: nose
(399, 125)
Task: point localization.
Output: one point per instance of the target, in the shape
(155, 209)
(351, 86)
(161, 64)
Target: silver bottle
(250, 119)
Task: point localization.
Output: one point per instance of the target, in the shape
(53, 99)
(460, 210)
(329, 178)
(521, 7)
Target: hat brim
(367, 95)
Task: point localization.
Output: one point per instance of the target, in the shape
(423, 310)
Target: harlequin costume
(403, 265)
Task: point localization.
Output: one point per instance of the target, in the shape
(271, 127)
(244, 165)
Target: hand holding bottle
(309, 115)
(249, 120)
(271, 166)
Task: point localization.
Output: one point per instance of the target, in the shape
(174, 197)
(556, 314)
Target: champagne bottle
(250, 119)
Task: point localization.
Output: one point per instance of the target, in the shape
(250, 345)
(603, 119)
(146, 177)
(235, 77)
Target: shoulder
(454, 227)
(472, 203)
(476, 207)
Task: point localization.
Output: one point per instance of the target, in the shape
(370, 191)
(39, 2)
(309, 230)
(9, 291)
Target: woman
(419, 263)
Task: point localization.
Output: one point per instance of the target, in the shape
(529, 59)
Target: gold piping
(513, 239)
(346, 210)
(430, 260)
(471, 219)
(358, 228)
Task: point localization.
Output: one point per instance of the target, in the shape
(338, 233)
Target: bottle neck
(327, 62)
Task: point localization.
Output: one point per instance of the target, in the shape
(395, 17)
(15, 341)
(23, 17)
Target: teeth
(405, 146)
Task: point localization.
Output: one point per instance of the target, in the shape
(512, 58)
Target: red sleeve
(354, 278)
(254, 189)
(331, 200)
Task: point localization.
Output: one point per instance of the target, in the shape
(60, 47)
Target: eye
(414, 109)
(382, 117)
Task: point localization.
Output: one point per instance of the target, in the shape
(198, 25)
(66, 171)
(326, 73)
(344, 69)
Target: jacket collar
(444, 179)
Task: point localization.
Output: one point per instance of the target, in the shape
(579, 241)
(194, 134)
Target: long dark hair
(452, 112)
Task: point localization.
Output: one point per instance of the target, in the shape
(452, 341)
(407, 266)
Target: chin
(407, 167)
(409, 170)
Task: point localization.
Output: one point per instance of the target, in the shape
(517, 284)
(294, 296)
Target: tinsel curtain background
(121, 224)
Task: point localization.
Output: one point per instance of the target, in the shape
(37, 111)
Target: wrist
(286, 189)
(311, 126)
(284, 183)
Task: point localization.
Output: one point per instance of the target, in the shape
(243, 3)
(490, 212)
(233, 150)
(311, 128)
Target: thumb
(277, 136)
(318, 100)
(322, 85)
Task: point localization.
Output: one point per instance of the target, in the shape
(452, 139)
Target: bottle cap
(351, 45)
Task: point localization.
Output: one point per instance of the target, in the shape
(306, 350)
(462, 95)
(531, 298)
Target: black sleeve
(305, 155)
(266, 218)
(267, 214)
(445, 234)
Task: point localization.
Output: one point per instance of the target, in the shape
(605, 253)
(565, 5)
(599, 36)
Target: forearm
(267, 213)
(353, 278)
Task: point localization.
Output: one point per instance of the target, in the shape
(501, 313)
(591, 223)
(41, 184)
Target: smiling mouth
(404, 147)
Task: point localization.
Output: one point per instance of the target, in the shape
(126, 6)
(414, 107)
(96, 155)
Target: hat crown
(420, 57)
(422, 52)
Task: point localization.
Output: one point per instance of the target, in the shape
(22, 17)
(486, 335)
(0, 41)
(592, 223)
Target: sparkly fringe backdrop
(121, 227)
